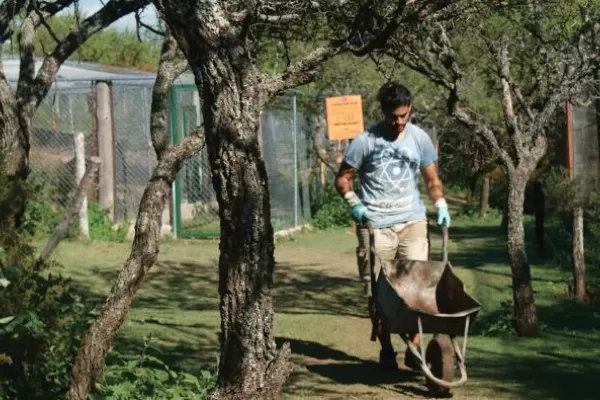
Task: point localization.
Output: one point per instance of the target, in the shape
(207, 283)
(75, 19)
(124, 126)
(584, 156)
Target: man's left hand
(443, 216)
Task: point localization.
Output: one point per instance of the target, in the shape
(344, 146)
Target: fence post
(105, 147)
(295, 135)
(79, 140)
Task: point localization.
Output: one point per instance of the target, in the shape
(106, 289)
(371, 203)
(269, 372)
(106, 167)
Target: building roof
(74, 74)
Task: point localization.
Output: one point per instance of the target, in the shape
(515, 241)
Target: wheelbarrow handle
(445, 239)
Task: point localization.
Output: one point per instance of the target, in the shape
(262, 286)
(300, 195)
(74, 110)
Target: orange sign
(344, 117)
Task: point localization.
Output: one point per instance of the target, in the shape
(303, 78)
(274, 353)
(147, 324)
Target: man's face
(398, 118)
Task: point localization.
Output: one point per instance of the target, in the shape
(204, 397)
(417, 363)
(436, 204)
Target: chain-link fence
(52, 162)
(285, 130)
(121, 138)
(585, 152)
(71, 107)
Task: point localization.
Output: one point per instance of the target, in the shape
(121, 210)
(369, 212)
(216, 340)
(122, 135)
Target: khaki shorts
(403, 241)
(407, 241)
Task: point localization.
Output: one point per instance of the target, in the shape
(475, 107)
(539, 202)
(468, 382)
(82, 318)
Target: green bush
(147, 377)
(101, 227)
(42, 212)
(332, 213)
(42, 320)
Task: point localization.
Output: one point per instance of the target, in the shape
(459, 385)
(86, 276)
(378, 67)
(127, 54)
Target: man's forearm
(343, 185)
(435, 190)
(344, 188)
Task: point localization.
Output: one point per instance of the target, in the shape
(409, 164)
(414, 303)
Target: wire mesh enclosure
(283, 139)
(586, 160)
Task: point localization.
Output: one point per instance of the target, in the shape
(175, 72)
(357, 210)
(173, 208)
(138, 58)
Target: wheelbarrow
(425, 297)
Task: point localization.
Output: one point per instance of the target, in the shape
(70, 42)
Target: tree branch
(33, 91)
(53, 8)
(27, 49)
(260, 17)
(322, 153)
(367, 22)
(139, 24)
(95, 344)
(42, 20)
(302, 71)
(478, 126)
(61, 230)
(510, 118)
(8, 10)
(169, 69)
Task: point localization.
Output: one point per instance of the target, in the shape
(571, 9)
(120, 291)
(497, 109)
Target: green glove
(359, 214)
(358, 211)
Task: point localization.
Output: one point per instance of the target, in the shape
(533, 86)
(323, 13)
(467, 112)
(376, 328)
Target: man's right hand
(359, 213)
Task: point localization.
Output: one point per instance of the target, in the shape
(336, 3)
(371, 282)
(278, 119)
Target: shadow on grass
(538, 376)
(299, 287)
(190, 357)
(304, 287)
(344, 369)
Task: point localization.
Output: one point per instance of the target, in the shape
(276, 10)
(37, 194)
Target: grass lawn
(320, 311)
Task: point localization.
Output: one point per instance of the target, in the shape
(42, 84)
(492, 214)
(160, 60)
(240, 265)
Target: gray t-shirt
(389, 173)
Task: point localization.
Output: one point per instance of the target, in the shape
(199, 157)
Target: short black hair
(393, 95)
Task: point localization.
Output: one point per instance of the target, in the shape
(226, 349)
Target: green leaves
(147, 376)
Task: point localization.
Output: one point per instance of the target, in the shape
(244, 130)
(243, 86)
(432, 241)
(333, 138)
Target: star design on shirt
(396, 168)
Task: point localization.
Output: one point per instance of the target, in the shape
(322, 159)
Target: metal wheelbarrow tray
(427, 297)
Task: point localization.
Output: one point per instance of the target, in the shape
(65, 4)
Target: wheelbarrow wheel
(439, 357)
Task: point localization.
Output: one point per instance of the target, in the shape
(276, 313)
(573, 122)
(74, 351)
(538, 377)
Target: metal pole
(295, 135)
(71, 113)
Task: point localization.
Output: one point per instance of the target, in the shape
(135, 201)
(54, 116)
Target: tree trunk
(250, 365)
(485, 196)
(229, 83)
(14, 149)
(578, 258)
(471, 195)
(526, 320)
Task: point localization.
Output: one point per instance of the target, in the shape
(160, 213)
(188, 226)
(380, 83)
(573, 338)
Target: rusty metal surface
(415, 282)
(426, 288)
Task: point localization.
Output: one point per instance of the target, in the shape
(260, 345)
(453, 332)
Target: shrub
(101, 227)
(42, 321)
(332, 213)
(147, 377)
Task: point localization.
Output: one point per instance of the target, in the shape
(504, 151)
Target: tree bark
(485, 196)
(526, 319)
(229, 83)
(578, 259)
(250, 366)
(13, 163)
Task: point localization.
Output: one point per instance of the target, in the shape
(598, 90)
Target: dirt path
(321, 313)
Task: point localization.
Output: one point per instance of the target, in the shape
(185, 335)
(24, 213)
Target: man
(389, 157)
